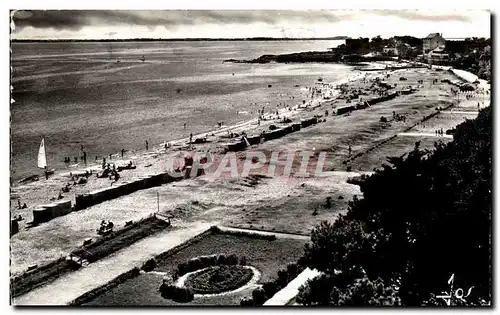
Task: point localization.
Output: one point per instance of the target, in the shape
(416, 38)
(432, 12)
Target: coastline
(154, 160)
(139, 155)
(37, 193)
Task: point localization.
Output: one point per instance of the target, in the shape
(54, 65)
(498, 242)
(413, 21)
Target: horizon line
(256, 38)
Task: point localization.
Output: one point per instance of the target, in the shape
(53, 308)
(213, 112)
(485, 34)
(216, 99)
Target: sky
(122, 24)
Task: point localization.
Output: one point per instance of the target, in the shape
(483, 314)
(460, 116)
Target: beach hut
(14, 226)
(42, 214)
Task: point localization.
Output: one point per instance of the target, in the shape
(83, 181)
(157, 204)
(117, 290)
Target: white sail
(42, 159)
(246, 141)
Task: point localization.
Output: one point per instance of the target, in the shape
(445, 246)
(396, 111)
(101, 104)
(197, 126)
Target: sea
(108, 96)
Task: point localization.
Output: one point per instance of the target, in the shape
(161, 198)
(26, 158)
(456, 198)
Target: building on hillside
(404, 49)
(397, 48)
(433, 41)
(390, 50)
(438, 56)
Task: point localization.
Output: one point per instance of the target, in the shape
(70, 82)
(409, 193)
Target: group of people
(24, 206)
(105, 226)
(439, 132)
(83, 157)
(398, 117)
(110, 171)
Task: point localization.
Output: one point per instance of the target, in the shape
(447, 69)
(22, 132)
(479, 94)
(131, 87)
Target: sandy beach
(276, 203)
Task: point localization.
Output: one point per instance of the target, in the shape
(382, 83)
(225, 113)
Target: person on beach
(103, 163)
(81, 146)
(76, 159)
(123, 151)
(190, 137)
(184, 126)
(350, 151)
(147, 145)
(84, 157)
(110, 156)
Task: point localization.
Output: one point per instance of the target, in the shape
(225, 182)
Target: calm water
(73, 93)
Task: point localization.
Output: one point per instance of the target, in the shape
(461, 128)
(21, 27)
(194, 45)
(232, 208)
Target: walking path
(424, 134)
(285, 295)
(277, 234)
(70, 286)
(459, 112)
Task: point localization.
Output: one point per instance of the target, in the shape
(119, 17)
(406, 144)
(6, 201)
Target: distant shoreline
(176, 39)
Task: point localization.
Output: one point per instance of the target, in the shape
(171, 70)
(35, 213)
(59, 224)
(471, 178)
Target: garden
(218, 269)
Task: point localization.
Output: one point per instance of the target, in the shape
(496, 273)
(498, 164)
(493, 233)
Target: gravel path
(286, 294)
(70, 286)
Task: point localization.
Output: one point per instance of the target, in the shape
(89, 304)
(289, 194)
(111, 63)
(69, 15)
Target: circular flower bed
(217, 279)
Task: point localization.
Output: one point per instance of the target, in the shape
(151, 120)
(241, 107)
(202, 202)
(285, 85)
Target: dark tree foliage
(476, 59)
(420, 220)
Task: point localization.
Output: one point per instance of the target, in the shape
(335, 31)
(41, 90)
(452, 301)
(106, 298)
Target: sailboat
(42, 159)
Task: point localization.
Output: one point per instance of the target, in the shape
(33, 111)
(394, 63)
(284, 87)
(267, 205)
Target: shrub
(232, 260)
(221, 259)
(215, 229)
(207, 261)
(282, 278)
(243, 261)
(182, 295)
(182, 269)
(270, 288)
(149, 265)
(246, 301)
(194, 264)
(167, 291)
(292, 271)
(259, 296)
